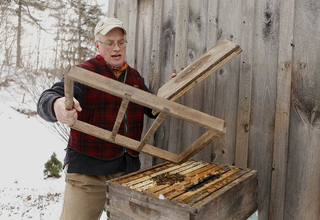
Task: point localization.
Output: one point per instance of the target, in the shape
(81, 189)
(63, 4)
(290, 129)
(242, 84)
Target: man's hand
(63, 115)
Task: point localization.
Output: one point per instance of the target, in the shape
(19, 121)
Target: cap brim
(105, 31)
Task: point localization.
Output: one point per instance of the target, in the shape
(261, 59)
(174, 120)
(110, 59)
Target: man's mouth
(116, 55)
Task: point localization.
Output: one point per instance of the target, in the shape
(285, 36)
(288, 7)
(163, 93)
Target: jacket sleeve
(47, 98)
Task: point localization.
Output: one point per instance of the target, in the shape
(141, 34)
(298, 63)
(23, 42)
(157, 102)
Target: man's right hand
(63, 115)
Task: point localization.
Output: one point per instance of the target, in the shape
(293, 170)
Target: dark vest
(100, 109)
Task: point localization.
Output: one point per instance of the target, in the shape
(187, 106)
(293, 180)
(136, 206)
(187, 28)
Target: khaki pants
(85, 196)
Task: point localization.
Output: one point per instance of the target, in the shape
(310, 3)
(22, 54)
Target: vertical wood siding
(269, 95)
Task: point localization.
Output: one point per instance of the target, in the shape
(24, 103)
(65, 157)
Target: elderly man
(90, 161)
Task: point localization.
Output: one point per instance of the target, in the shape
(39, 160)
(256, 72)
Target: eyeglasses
(111, 45)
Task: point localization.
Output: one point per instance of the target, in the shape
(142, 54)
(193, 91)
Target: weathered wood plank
(280, 150)
(245, 83)
(198, 145)
(68, 90)
(157, 25)
(146, 99)
(196, 46)
(112, 9)
(124, 141)
(123, 8)
(191, 194)
(180, 49)
(282, 119)
(210, 83)
(120, 116)
(303, 170)
(263, 103)
(166, 135)
(239, 199)
(152, 129)
(193, 74)
(132, 32)
(141, 205)
(227, 81)
(143, 38)
(216, 126)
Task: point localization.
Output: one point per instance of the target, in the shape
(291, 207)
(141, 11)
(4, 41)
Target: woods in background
(47, 34)
(40, 38)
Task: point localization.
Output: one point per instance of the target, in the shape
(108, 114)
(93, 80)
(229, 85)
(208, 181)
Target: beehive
(206, 191)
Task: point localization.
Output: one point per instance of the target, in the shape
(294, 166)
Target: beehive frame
(215, 126)
(162, 103)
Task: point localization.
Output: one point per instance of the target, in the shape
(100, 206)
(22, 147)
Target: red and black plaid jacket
(101, 109)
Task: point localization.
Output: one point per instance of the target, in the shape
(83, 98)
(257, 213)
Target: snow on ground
(26, 145)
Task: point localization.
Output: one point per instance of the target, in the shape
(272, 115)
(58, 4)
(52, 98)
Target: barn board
(203, 67)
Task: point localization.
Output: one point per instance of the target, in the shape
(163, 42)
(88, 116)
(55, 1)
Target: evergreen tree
(75, 31)
(23, 13)
(53, 167)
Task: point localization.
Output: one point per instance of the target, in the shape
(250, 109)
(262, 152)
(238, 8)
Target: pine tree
(75, 31)
(23, 12)
(53, 167)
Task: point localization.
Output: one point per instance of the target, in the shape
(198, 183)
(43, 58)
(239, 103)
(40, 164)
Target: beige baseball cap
(107, 24)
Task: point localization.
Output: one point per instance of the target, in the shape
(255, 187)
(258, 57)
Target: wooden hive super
(208, 191)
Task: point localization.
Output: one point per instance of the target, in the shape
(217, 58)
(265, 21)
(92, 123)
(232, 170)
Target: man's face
(114, 56)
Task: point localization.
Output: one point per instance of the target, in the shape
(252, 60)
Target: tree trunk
(79, 32)
(19, 31)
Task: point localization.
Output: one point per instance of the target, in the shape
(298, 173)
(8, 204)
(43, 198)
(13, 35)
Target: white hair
(97, 38)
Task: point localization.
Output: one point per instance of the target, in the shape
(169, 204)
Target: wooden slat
(146, 99)
(210, 192)
(68, 90)
(193, 74)
(245, 83)
(112, 9)
(166, 12)
(186, 170)
(302, 193)
(198, 145)
(282, 118)
(132, 10)
(143, 42)
(280, 150)
(153, 129)
(237, 200)
(227, 81)
(154, 173)
(188, 195)
(193, 178)
(105, 84)
(130, 204)
(209, 84)
(221, 169)
(154, 75)
(263, 100)
(134, 176)
(196, 47)
(120, 116)
(124, 141)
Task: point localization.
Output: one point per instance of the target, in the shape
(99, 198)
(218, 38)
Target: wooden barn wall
(269, 95)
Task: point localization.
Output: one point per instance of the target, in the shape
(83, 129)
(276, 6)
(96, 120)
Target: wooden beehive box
(232, 193)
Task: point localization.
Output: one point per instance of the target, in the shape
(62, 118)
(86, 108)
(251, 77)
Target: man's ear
(97, 45)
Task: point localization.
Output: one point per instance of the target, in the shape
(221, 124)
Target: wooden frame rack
(163, 103)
